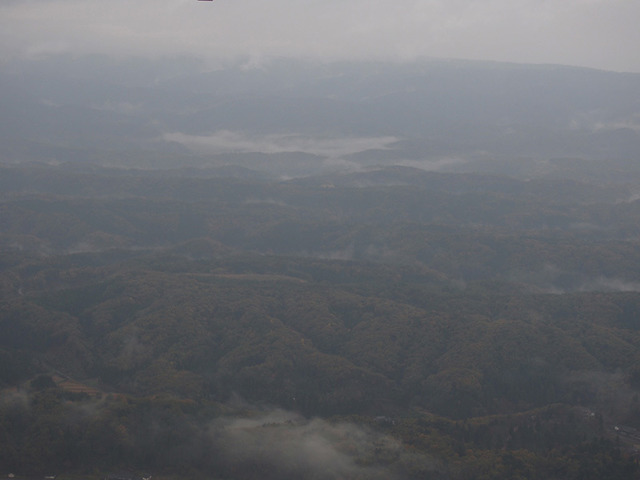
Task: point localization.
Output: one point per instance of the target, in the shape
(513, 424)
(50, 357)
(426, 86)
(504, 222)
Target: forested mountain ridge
(471, 326)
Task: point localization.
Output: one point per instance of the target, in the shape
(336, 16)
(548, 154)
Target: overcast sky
(595, 33)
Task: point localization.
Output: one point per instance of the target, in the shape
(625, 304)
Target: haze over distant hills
(292, 117)
(402, 271)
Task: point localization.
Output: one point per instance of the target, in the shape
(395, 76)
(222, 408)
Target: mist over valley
(318, 270)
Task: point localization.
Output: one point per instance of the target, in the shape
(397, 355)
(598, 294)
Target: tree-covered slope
(482, 324)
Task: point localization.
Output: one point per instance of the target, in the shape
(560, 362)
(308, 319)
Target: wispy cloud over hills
(285, 445)
(226, 141)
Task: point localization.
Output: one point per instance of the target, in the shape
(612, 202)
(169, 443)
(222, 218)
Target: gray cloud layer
(596, 33)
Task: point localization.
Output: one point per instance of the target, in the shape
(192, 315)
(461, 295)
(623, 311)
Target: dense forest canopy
(450, 316)
(384, 310)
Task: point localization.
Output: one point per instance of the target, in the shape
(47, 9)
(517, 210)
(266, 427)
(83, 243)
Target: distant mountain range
(292, 118)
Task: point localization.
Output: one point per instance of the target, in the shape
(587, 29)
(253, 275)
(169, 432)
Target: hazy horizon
(589, 33)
